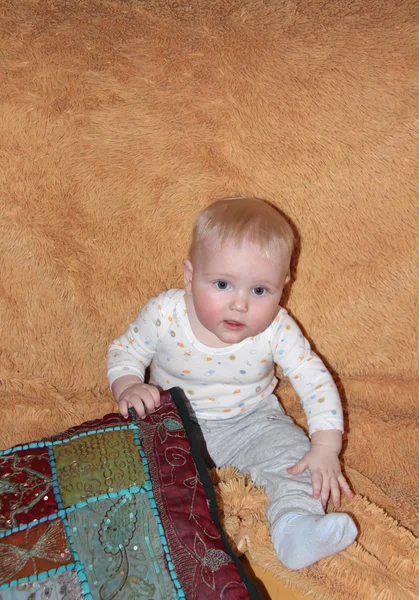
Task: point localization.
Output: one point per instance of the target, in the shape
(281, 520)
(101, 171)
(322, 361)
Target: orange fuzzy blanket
(120, 120)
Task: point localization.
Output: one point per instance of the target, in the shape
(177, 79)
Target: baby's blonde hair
(243, 219)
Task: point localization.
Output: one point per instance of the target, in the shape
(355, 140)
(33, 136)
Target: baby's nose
(239, 303)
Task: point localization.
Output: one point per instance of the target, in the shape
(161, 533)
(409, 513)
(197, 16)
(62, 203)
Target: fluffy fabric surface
(381, 564)
(120, 120)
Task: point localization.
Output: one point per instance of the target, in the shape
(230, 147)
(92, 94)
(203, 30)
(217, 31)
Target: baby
(219, 339)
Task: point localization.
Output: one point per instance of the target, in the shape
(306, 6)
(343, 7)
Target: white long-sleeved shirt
(221, 383)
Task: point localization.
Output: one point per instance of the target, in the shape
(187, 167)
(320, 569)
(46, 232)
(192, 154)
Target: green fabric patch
(92, 465)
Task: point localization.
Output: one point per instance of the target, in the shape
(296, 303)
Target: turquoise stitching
(55, 485)
(180, 594)
(62, 513)
(81, 573)
(43, 575)
(48, 444)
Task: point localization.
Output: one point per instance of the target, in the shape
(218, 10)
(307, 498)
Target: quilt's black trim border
(180, 400)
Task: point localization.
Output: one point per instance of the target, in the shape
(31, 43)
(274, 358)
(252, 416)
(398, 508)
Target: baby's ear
(187, 275)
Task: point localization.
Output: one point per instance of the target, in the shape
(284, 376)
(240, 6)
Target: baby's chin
(233, 337)
(227, 336)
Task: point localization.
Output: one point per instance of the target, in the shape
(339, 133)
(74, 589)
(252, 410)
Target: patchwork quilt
(115, 509)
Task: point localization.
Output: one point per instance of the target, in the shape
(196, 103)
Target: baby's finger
(155, 394)
(325, 492)
(345, 486)
(138, 405)
(297, 468)
(148, 399)
(335, 492)
(316, 480)
(123, 408)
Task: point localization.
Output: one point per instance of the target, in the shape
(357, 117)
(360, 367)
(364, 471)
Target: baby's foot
(301, 540)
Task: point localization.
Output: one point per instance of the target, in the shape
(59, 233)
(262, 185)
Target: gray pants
(263, 444)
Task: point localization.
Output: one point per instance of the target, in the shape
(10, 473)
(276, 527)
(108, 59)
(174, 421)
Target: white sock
(301, 540)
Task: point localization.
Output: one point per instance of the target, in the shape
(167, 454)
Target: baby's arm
(320, 400)
(128, 357)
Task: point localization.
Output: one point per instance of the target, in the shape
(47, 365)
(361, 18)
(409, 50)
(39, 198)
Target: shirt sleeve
(308, 375)
(132, 352)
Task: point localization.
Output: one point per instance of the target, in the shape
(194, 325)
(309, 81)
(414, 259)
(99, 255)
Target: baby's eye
(222, 285)
(259, 291)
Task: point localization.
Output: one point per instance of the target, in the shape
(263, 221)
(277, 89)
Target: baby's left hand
(326, 475)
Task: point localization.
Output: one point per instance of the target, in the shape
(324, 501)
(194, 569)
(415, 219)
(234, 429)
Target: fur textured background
(120, 120)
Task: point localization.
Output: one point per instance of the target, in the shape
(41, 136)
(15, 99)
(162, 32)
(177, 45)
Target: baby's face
(235, 291)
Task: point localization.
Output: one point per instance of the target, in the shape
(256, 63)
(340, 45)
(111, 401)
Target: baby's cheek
(207, 309)
(263, 318)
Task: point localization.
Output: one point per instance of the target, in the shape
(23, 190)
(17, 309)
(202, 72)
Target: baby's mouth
(233, 325)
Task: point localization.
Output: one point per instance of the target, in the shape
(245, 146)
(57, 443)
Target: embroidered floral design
(211, 560)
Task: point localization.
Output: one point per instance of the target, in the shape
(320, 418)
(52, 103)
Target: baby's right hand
(142, 397)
